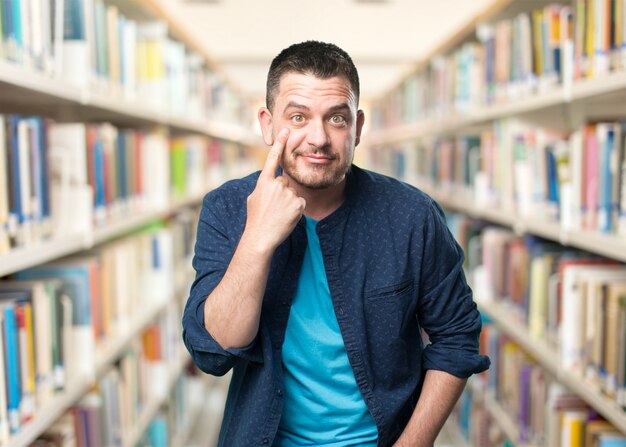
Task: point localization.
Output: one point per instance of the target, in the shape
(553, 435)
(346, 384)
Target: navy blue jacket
(393, 269)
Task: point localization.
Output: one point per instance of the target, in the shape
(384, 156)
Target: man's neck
(321, 203)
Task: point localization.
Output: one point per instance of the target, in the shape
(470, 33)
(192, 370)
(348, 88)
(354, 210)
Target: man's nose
(317, 135)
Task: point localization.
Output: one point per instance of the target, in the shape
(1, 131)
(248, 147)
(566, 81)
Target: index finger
(273, 157)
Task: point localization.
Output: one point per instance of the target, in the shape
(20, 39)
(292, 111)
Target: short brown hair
(323, 60)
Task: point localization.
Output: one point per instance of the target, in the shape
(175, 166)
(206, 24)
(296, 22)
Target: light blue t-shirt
(322, 403)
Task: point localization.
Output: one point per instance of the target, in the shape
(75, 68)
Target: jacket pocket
(391, 292)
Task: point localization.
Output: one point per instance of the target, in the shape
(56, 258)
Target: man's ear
(267, 125)
(360, 120)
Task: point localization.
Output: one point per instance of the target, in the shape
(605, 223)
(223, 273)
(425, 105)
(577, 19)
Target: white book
(574, 307)
(75, 57)
(23, 141)
(130, 58)
(572, 217)
(156, 170)
(69, 140)
(4, 190)
(70, 194)
(601, 60)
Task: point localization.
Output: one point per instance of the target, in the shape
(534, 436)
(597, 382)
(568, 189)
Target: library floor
(208, 423)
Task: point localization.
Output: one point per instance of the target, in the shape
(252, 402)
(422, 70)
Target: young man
(315, 278)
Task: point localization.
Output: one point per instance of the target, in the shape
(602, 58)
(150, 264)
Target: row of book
(573, 302)
(110, 413)
(67, 178)
(57, 317)
(577, 180)
(96, 46)
(542, 411)
(530, 53)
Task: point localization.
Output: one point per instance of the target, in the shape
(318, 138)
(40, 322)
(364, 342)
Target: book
(4, 188)
(71, 196)
(4, 417)
(44, 298)
(75, 278)
(75, 48)
(576, 329)
(12, 365)
(24, 318)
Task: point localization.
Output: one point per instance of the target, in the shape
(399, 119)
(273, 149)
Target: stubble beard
(317, 176)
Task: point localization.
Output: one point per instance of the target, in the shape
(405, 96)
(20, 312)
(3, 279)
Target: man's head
(322, 60)
(313, 90)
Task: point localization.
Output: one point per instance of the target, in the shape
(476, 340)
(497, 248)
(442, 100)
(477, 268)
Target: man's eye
(337, 119)
(297, 118)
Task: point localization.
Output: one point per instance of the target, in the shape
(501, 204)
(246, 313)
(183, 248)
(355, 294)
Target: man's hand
(274, 208)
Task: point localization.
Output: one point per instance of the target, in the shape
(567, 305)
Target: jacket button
(266, 440)
(279, 392)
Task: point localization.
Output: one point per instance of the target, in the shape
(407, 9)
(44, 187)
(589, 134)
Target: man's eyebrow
(339, 107)
(295, 105)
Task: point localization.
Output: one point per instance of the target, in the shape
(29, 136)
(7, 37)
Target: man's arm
(440, 392)
(232, 310)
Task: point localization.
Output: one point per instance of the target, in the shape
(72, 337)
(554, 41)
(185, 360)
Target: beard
(315, 176)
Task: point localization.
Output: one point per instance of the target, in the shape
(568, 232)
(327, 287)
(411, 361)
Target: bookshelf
(106, 355)
(549, 359)
(183, 131)
(500, 71)
(149, 411)
(503, 420)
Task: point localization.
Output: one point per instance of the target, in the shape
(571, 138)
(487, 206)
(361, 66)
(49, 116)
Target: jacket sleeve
(213, 252)
(447, 311)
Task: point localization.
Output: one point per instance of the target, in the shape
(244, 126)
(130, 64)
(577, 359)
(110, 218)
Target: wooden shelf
(25, 91)
(611, 246)
(49, 250)
(549, 359)
(40, 252)
(609, 88)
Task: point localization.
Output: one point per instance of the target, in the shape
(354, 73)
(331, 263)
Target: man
(315, 278)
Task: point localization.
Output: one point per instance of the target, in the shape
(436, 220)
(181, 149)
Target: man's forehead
(305, 85)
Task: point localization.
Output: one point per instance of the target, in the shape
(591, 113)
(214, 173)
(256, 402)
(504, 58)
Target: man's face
(324, 127)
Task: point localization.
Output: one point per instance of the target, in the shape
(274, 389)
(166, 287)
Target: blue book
(12, 364)
(73, 20)
(36, 155)
(611, 441)
(100, 196)
(605, 177)
(15, 31)
(44, 178)
(157, 432)
(14, 165)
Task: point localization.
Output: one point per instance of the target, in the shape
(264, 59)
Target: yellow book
(589, 38)
(30, 346)
(142, 60)
(612, 330)
(537, 42)
(576, 432)
(540, 271)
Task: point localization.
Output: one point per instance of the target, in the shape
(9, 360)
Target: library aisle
(118, 116)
